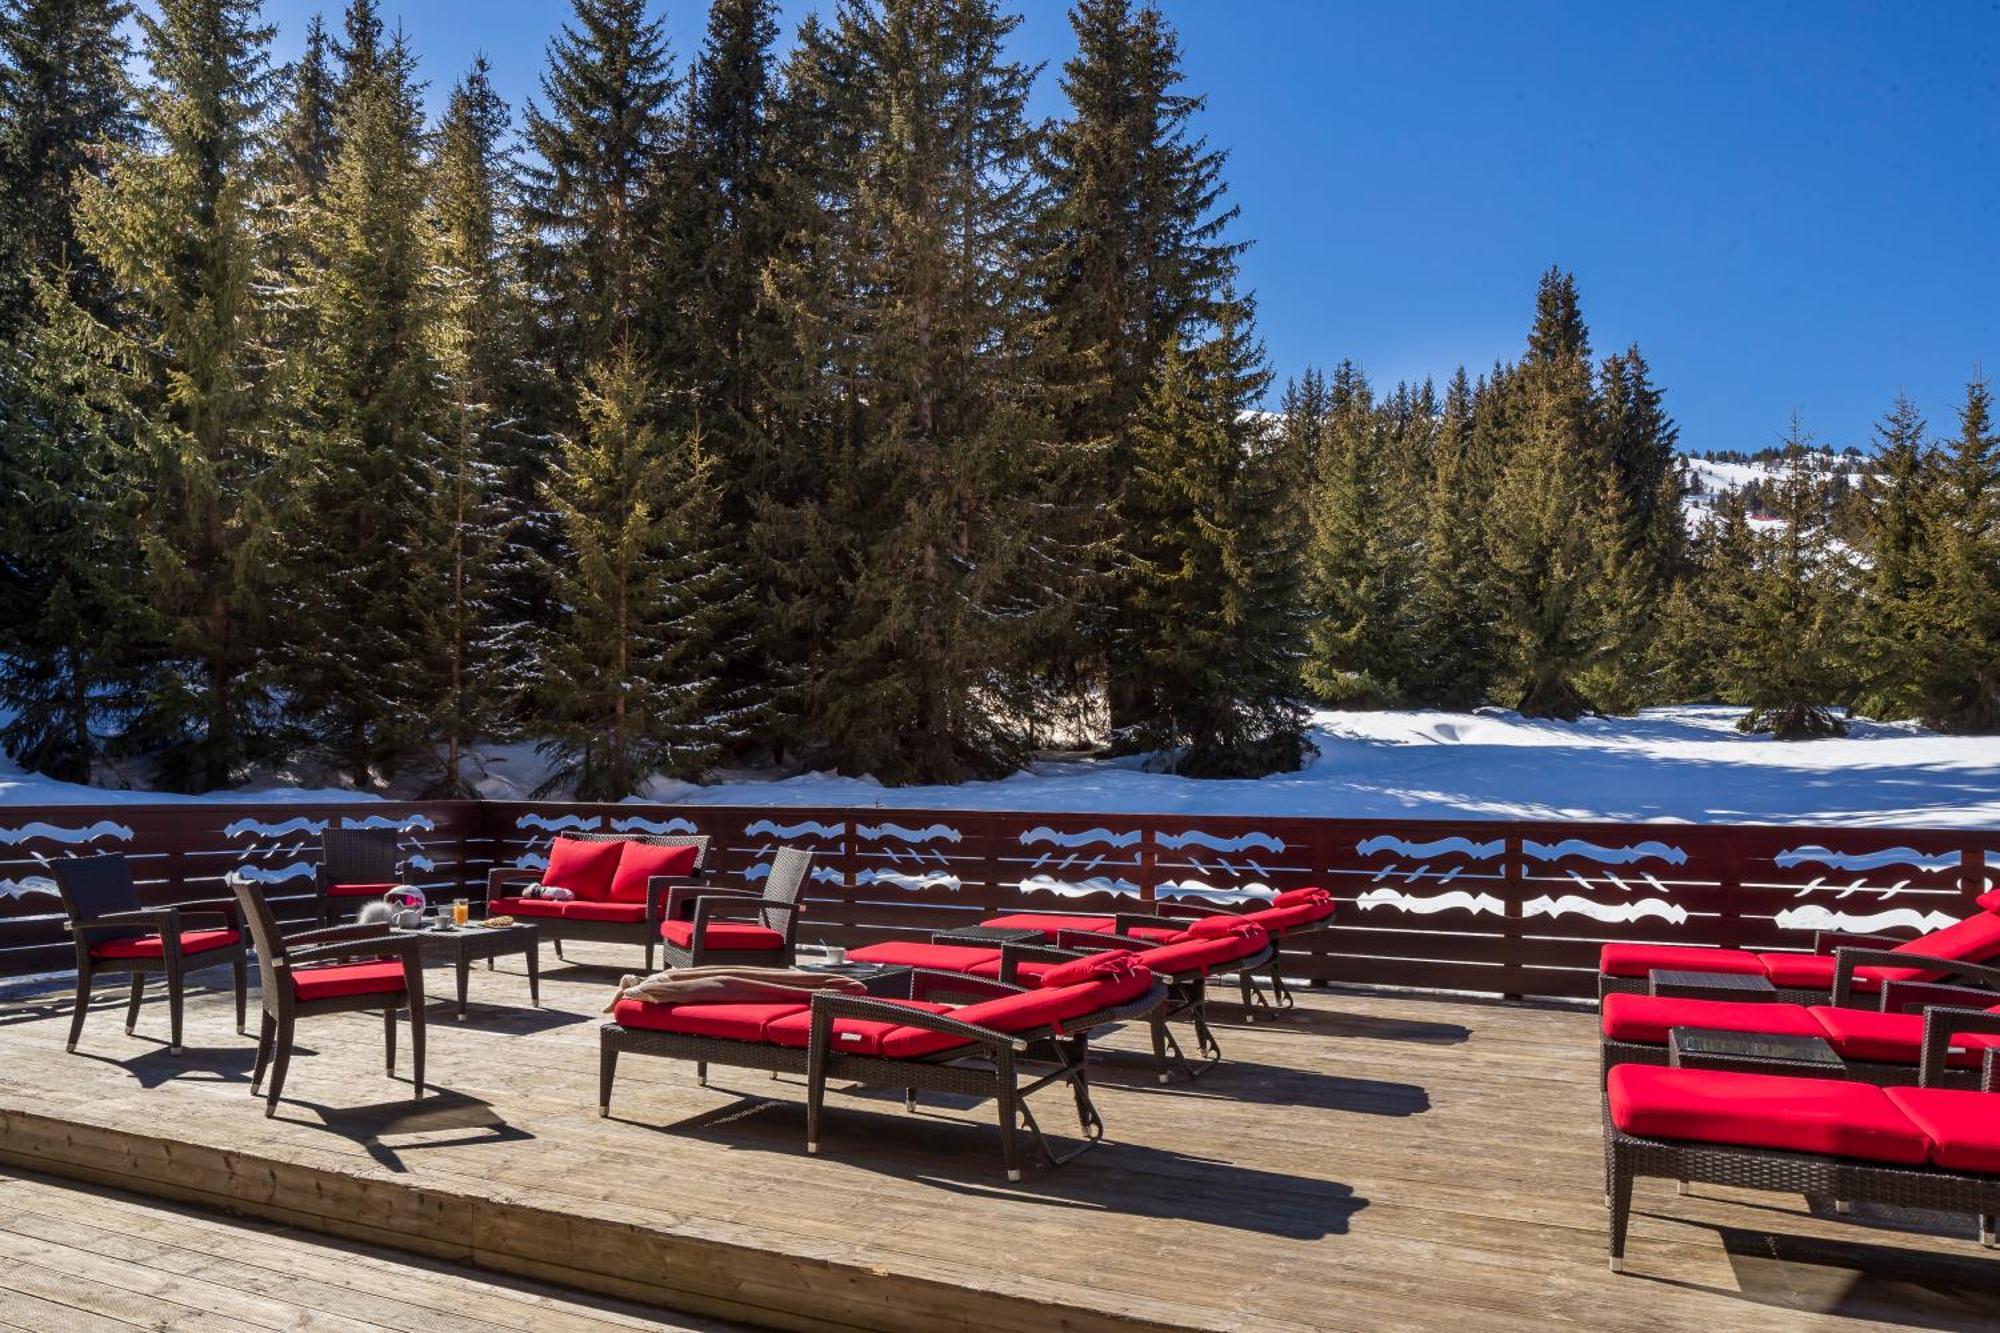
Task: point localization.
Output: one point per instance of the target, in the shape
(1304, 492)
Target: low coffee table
(465, 945)
(1753, 1053)
(989, 935)
(1709, 985)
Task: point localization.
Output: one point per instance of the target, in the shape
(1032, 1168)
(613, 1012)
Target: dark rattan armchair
(738, 926)
(339, 970)
(115, 933)
(356, 865)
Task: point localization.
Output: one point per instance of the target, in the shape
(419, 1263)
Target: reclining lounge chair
(921, 1042)
(1920, 1147)
(1807, 978)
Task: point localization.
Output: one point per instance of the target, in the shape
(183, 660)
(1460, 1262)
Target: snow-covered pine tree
(1787, 661)
(368, 422)
(174, 225)
(66, 558)
(1890, 645)
(1135, 262)
(1704, 610)
(912, 303)
(1362, 557)
(1548, 503)
(1209, 572)
(1960, 600)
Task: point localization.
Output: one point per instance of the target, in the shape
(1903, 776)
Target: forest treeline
(810, 403)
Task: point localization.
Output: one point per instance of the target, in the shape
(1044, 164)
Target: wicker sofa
(949, 1033)
(634, 916)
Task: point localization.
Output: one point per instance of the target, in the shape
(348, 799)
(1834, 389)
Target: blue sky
(1790, 206)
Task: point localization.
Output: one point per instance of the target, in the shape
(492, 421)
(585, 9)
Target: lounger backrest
(1026, 1011)
(1973, 940)
(359, 856)
(1199, 954)
(94, 885)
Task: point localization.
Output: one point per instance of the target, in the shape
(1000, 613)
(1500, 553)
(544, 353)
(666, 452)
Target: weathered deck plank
(1369, 1162)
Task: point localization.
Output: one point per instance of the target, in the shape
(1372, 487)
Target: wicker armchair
(738, 926)
(355, 866)
(115, 933)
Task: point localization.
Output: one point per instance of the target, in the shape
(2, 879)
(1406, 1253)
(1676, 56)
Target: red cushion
(1157, 934)
(1023, 1011)
(1891, 1039)
(1027, 972)
(1814, 971)
(1278, 919)
(640, 861)
(334, 980)
(1113, 963)
(851, 1036)
(1050, 923)
(734, 936)
(1215, 927)
(937, 957)
(624, 914)
(359, 890)
(1815, 1115)
(1636, 960)
(736, 1022)
(1973, 940)
(1989, 901)
(523, 907)
(1646, 1018)
(152, 946)
(1200, 955)
(1962, 1125)
(584, 868)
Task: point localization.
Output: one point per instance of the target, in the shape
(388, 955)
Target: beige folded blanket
(729, 985)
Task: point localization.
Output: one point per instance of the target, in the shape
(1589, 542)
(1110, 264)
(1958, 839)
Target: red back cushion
(1300, 897)
(1973, 940)
(1989, 901)
(584, 868)
(1217, 927)
(1116, 963)
(640, 861)
(1029, 1009)
(1198, 955)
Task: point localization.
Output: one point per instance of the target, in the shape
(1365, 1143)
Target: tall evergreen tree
(174, 225)
(306, 132)
(1961, 677)
(1454, 616)
(1892, 644)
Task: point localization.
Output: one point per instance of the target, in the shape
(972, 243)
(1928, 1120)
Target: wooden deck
(1368, 1162)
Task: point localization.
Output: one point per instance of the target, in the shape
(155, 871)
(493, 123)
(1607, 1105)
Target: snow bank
(1684, 764)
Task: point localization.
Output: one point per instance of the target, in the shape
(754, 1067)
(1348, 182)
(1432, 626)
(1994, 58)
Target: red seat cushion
(332, 981)
(639, 862)
(1024, 1011)
(937, 957)
(735, 1022)
(1646, 1018)
(1199, 955)
(523, 907)
(851, 1036)
(359, 890)
(1814, 971)
(152, 946)
(1892, 1039)
(1051, 923)
(1815, 1115)
(624, 914)
(1962, 1125)
(732, 936)
(584, 868)
(1636, 960)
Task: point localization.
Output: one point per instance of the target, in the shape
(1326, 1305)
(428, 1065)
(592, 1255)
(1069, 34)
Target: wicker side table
(1709, 985)
(1753, 1053)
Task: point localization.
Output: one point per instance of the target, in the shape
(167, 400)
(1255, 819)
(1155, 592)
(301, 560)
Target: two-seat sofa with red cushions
(1290, 912)
(1184, 960)
(951, 1033)
(1810, 977)
(1882, 1044)
(1917, 1147)
(625, 886)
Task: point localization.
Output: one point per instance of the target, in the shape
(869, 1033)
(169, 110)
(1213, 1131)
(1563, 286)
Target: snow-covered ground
(1668, 764)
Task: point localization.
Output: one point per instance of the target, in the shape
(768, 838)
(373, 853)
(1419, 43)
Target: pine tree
(1212, 575)
(1891, 645)
(1548, 509)
(174, 226)
(361, 468)
(1644, 537)
(306, 133)
(1786, 662)
(1453, 614)
(1961, 565)
(1136, 263)
(918, 556)
(65, 565)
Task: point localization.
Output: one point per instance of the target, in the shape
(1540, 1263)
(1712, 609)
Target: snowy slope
(1668, 764)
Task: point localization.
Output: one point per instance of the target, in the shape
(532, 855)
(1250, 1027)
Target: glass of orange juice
(461, 909)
